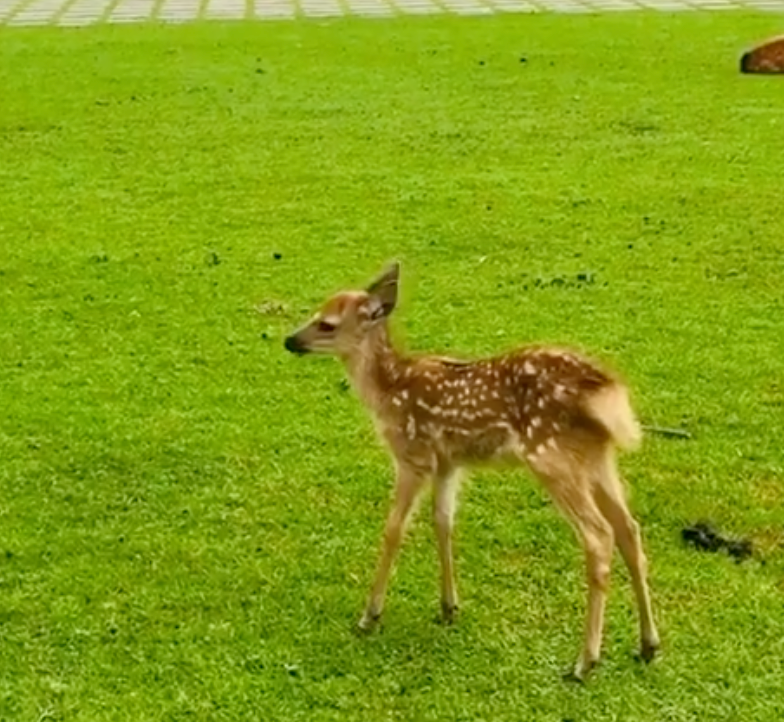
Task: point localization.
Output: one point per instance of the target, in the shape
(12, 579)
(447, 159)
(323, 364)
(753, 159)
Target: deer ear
(383, 291)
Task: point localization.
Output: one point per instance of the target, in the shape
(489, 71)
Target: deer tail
(611, 408)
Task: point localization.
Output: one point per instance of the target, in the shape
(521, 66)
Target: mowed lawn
(189, 516)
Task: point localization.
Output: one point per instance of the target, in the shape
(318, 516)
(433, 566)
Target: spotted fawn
(547, 408)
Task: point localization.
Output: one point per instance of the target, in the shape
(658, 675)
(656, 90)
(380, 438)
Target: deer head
(347, 318)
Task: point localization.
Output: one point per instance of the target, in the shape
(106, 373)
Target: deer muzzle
(293, 344)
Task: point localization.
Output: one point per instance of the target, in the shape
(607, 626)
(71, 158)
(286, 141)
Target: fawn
(548, 408)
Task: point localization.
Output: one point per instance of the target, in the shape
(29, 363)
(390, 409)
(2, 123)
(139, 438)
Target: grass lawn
(189, 516)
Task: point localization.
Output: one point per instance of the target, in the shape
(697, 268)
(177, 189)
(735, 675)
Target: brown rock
(766, 58)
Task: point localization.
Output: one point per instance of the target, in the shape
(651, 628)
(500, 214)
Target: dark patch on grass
(704, 536)
(577, 281)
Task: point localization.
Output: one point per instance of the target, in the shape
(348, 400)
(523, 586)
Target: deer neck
(374, 367)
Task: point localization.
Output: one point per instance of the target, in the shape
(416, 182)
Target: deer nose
(293, 344)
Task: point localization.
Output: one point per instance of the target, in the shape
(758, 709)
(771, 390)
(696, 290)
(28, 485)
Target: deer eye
(325, 327)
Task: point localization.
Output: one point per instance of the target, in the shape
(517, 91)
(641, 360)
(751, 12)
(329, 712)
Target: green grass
(189, 517)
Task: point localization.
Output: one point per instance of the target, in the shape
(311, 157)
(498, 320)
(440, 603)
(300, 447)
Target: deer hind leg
(444, 503)
(408, 486)
(569, 484)
(611, 499)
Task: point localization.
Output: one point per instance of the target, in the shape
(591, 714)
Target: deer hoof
(581, 671)
(368, 622)
(649, 649)
(448, 613)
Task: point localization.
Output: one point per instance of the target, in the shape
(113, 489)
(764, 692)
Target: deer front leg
(407, 488)
(444, 504)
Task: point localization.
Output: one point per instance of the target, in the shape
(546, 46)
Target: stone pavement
(86, 12)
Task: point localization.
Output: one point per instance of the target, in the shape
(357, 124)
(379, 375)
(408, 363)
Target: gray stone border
(87, 12)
